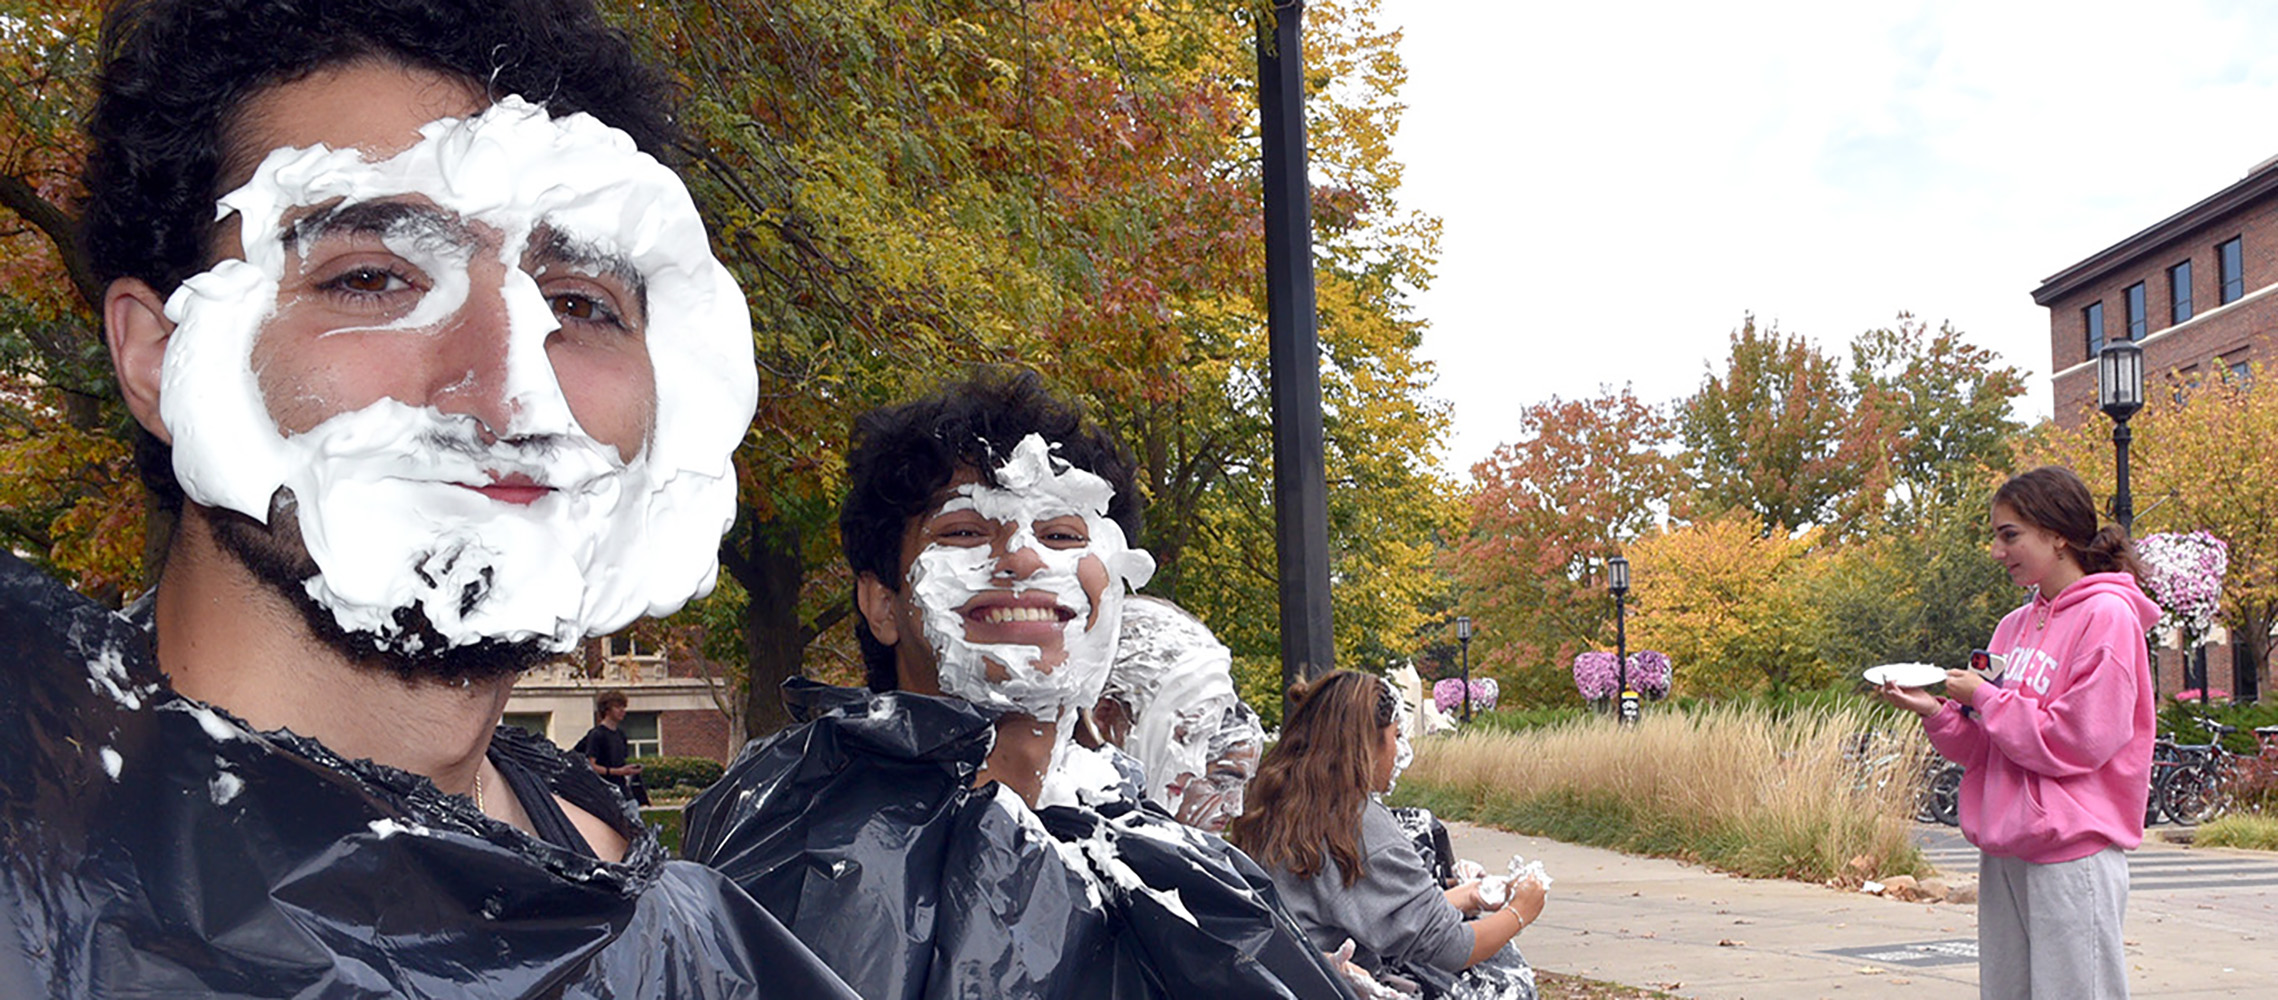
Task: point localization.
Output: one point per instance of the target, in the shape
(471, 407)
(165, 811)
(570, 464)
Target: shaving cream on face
(1088, 582)
(380, 491)
(1178, 680)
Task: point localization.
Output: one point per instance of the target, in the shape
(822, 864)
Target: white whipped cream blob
(1178, 681)
(620, 536)
(1032, 487)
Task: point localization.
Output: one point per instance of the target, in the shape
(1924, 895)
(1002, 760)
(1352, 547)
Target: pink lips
(514, 488)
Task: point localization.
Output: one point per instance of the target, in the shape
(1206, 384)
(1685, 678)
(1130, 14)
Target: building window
(2092, 319)
(2179, 293)
(2230, 262)
(534, 723)
(640, 729)
(2134, 298)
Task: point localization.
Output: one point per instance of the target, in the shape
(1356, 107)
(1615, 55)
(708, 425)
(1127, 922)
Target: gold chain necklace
(478, 791)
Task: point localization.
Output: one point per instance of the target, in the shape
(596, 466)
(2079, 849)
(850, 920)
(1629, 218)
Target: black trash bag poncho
(861, 830)
(152, 846)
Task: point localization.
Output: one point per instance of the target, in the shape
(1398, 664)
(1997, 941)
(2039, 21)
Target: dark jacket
(861, 830)
(153, 846)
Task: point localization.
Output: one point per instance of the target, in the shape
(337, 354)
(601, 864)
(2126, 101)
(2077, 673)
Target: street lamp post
(1617, 580)
(2120, 393)
(1463, 638)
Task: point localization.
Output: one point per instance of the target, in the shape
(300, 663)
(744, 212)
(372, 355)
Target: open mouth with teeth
(1030, 622)
(1002, 614)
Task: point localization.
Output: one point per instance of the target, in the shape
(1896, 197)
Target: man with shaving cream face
(942, 834)
(1012, 600)
(394, 334)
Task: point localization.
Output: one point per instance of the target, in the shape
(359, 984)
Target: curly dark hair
(177, 73)
(902, 456)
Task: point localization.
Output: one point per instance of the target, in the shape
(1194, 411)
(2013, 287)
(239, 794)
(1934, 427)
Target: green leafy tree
(1774, 434)
(1924, 591)
(1942, 407)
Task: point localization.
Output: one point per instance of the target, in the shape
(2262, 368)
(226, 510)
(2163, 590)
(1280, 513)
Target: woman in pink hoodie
(2057, 749)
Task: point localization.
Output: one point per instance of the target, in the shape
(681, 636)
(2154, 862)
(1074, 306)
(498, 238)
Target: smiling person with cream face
(941, 834)
(394, 334)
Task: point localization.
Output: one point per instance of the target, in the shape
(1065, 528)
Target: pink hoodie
(2059, 754)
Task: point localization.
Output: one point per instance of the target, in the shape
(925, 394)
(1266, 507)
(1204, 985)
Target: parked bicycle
(2189, 784)
(1940, 799)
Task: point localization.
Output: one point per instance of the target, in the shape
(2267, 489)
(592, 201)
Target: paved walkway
(2201, 923)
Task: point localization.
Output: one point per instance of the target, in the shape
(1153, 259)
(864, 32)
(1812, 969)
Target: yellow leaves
(1717, 598)
(76, 491)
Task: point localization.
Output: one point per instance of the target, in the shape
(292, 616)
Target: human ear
(136, 330)
(876, 603)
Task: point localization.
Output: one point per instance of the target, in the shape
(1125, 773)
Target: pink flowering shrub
(2184, 576)
(1596, 676)
(1447, 693)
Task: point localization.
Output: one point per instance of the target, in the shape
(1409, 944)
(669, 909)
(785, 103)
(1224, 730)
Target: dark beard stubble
(276, 555)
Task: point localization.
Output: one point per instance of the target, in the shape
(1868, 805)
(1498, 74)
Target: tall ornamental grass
(1743, 788)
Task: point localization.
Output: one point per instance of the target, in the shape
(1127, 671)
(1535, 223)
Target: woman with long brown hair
(2057, 747)
(1347, 871)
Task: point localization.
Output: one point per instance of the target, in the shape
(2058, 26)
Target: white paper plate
(1906, 675)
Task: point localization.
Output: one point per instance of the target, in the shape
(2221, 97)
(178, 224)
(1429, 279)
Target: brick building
(672, 709)
(2199, 292)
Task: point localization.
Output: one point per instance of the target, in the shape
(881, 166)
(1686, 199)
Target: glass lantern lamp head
(2120, 379)
(1617, 575)
(1463, 629)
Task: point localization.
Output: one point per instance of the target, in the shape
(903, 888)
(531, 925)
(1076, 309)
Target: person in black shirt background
(607, 749)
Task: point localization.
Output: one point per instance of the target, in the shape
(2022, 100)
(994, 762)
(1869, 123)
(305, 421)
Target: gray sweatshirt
(1396, 914)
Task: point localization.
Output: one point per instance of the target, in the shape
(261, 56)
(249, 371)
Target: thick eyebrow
(557, 247)
(423, 223)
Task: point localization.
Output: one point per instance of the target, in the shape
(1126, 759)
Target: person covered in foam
(1170, 703)
(391, 288)
(973, 847)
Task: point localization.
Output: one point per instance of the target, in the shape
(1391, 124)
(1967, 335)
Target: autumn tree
(1723, 601)
(1940, 409)
(908, 189)
(69, 498)
(2201, 460)
(1584, 477)
(1773, 434)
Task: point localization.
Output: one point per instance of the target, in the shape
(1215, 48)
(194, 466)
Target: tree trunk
(773, 574)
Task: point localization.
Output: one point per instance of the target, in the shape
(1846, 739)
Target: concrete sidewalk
(1697, 933)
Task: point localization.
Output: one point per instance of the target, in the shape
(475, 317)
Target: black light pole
(2120, 393)
(1463, 637)
(1617, 580)
(1293, 353)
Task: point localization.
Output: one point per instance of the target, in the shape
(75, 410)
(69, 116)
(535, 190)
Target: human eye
(370, 286)
(960, 529)
(581, 307)
(366, 280)
(1063, 534)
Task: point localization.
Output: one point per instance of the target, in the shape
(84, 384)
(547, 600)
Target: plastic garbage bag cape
(151, 846)
(861, 830)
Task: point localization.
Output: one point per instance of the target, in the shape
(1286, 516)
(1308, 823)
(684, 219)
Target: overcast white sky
(1621, 183)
